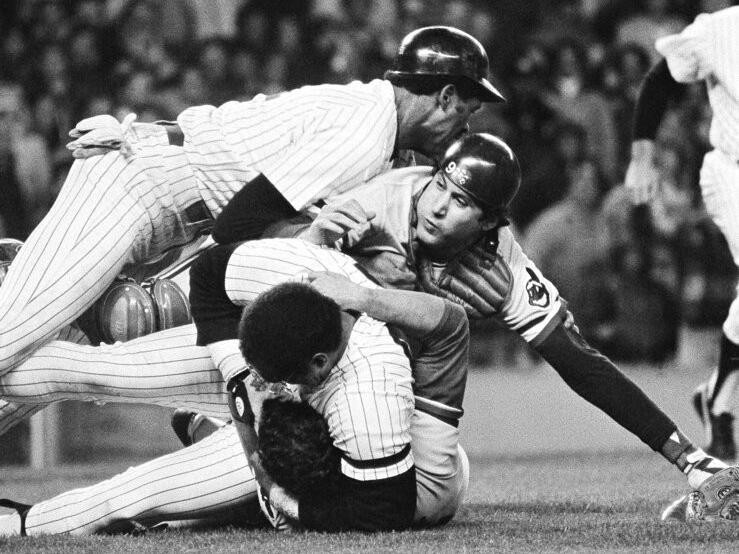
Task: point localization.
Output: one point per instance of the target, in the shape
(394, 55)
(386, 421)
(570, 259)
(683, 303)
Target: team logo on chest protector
(538, 293)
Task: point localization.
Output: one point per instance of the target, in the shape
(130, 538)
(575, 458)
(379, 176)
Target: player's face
(448, 121)
(449, 220)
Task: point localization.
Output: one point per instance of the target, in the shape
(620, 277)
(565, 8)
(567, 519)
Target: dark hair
(285, 326)
(296, 448)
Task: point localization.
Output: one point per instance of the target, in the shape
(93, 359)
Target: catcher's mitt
(478, 279)
(715, 500)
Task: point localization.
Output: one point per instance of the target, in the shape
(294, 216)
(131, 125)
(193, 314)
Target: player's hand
(99, 135)
(345, 293)
(642, 176)
(390, 270)
(337, 219)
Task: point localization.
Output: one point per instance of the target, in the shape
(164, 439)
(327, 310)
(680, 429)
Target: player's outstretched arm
(415, 313)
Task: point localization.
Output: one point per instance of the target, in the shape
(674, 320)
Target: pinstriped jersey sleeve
(368, 398)
(311, 143)
(367, 402)
(709, 49)
(533, 307)
(257, 266)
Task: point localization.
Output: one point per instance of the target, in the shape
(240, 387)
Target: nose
(441, 203)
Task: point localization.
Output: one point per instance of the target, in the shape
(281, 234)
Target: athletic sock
(722, 391)
(692, 461)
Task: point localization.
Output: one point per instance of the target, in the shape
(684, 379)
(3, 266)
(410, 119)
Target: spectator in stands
(25, 169)
(621, 76)
(572, 97)
(644, 315)
(656, 19)
(567, 242)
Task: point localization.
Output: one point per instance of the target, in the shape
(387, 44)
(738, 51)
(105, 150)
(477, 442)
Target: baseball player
(354, 373)
(159, 186)
(705, 51)
(429, 220)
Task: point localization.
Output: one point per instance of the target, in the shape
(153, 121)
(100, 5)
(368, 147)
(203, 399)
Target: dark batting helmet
(444, 52)
(485, 168)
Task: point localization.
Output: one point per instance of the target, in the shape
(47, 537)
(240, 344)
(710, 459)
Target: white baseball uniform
(708, 50)
(367, 400)
(113, 211)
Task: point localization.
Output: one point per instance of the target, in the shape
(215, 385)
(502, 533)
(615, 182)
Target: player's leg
(111, 211)
(442, 469)
(193, 483)
(164, 368)
(715, 399)
(11, 414)
(71, 257)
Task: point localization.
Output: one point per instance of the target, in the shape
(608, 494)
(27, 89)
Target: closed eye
(461, 200)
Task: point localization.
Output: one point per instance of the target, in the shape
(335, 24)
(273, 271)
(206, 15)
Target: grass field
(548, 474)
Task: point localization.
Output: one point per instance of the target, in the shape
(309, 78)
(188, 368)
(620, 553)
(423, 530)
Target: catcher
(446, 231)
(449, 227)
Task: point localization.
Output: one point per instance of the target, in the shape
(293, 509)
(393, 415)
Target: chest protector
(479, 279)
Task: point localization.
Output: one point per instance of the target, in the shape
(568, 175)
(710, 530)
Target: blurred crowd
(571, 70)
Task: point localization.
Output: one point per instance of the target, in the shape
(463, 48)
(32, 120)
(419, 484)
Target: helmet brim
(484, 89)
(488, 93)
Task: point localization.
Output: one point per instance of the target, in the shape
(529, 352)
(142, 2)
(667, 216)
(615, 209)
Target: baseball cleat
(676, 510)
(719, 429)
(181, 420)
(14, 524)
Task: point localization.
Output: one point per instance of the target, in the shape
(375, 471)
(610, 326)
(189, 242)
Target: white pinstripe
(199, 481)
(367, 398)
(708, 49)
(310, 142)
(111, 211)
(164, 368)
(367, 401)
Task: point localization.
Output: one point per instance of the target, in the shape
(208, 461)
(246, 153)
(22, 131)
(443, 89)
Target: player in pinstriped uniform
(368, 419)
(505, 286)
(523, 299)
(165, 182)
(707, 50)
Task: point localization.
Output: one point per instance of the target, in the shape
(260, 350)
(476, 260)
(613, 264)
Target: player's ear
(320, 365)
(447, 95)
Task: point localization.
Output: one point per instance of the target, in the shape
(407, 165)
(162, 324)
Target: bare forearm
(416, 313)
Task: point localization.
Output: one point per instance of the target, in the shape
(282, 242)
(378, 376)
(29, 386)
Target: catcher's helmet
(485, 168)
(444, 52)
